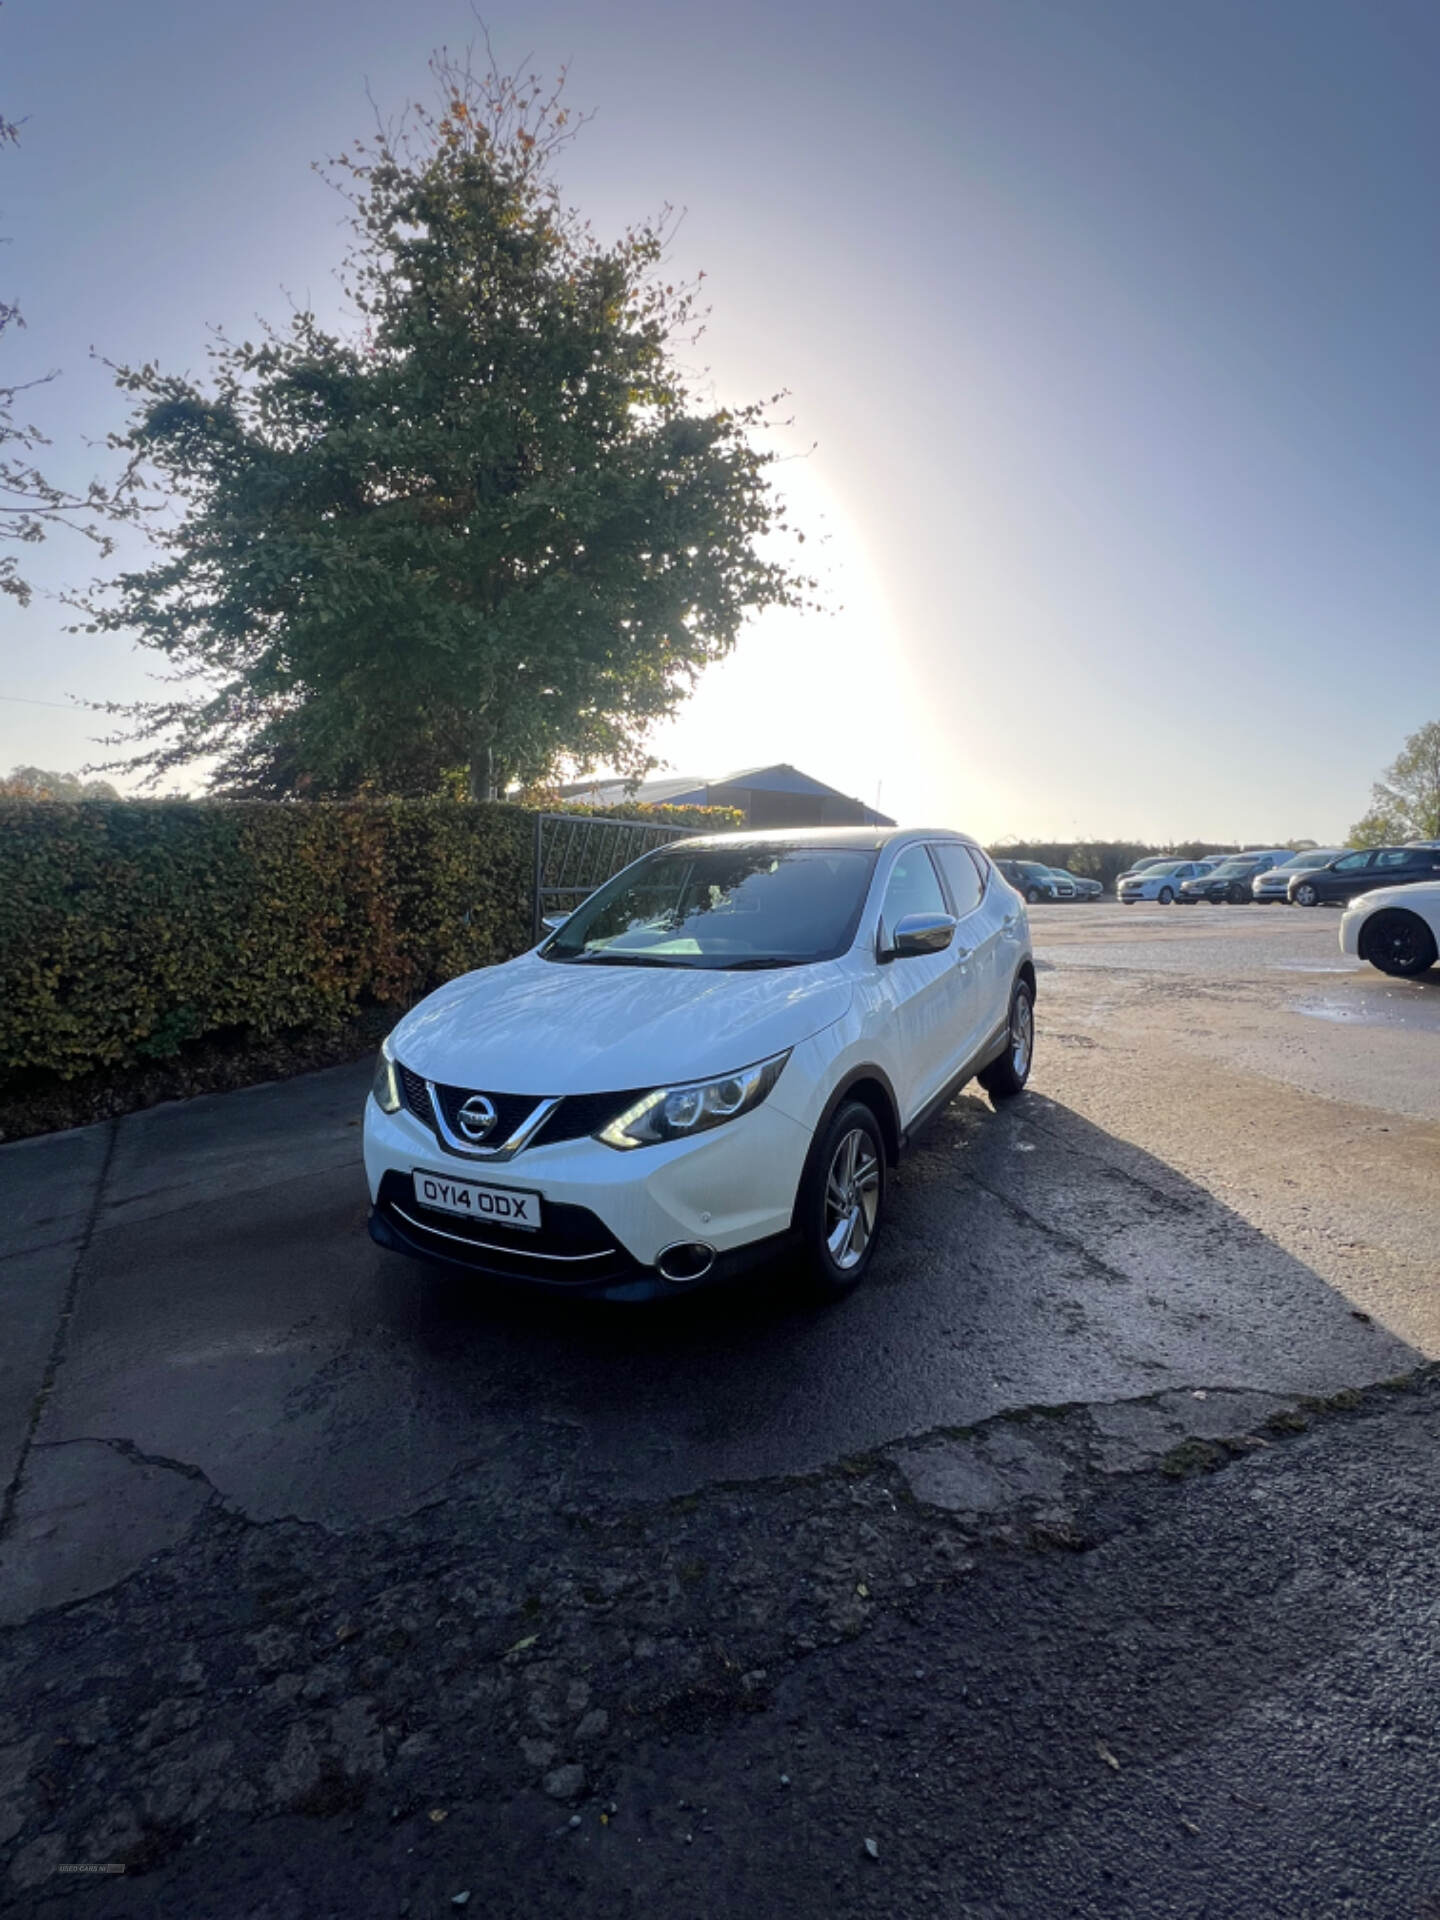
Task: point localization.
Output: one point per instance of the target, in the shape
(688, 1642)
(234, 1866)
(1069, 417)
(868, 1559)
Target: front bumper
(606, 1215)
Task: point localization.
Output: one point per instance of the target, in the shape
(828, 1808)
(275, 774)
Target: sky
(1108, 329)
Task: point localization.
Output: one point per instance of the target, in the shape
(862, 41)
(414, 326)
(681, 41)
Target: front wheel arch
(871, 1086)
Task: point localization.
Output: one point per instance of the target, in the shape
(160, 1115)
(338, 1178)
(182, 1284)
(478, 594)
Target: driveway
(1215, 1206)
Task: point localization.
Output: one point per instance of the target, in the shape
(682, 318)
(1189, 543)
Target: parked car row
(1319, 876)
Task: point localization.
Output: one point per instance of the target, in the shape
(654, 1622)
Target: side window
(1352, 863)
(959, 870)
(913, 887)
(1397, 857)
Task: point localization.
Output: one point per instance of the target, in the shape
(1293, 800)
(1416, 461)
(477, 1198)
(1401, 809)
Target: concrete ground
(238, 1441)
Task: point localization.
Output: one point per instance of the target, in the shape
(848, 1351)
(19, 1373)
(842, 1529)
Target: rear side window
(913, 887)
(1399, 857)
(959, 871)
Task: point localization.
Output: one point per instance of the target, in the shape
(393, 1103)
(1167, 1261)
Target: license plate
(498, 1206)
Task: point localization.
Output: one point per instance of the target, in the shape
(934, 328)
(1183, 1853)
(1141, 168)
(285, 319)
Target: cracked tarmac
(303, 1544)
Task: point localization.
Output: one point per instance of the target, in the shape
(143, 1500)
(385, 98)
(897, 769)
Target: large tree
(488, 526)
(1406, 801)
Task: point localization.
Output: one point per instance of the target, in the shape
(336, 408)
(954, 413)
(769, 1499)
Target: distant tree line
(41, 783)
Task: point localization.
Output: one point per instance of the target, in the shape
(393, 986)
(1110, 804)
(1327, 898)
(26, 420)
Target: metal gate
(575, 853)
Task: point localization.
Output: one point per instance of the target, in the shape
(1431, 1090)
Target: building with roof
(778, 796)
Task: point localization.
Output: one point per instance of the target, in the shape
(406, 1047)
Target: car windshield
(1232, 869)
(1163, 867)
(722, 907)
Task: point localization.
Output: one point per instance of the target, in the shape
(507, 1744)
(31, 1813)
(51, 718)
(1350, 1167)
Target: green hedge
(697, 819)
(130, 927)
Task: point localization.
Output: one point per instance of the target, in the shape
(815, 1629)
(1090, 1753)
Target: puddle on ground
(1309, 966)
(1395, 1012)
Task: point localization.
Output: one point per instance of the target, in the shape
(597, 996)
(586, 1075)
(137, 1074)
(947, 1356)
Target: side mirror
(921, 933)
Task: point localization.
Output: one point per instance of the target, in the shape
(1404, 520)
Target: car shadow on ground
(1029, 1258)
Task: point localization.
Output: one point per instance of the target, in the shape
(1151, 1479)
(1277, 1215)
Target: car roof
(862, 839)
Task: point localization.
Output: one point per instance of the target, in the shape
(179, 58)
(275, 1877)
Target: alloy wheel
(1022, 1034)
(852, 1198)
(1399, 943)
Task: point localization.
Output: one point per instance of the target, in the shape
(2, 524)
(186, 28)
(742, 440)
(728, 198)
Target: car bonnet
(543, 1027)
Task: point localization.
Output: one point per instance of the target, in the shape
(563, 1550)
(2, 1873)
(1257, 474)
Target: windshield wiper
(603, 959)
(760, 960)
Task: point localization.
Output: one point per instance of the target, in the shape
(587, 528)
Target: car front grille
(416, 1097)
(576, 1116)
(585, 1113)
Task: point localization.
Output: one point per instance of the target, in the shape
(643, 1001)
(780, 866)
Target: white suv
(722, 1052)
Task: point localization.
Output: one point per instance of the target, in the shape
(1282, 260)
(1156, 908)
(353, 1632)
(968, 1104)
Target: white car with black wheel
(1397, 929)
(720, 1056)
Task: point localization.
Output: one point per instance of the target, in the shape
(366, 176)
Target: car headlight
(386, 1084)
(674, 1113)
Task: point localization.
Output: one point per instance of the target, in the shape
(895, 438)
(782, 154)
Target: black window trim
(882, 925)
(946, 890)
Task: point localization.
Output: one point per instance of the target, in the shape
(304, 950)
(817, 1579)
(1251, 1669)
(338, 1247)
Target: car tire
(1307, 894)
(1166, 896)
(1398, 942)
(1033, 896)
(848, 1165)
(1235, 895)
(1006, 1077)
